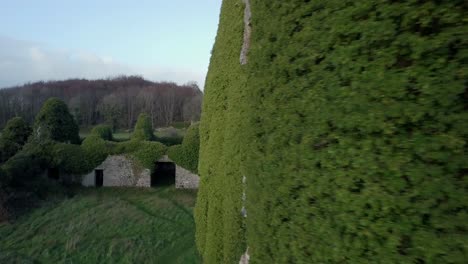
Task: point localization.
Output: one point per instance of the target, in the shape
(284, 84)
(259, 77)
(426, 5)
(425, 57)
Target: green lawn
(108, 225)
(122, 135)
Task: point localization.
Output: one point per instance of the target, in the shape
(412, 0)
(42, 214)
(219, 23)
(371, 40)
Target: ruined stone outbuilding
(120, 170)
(184, 179)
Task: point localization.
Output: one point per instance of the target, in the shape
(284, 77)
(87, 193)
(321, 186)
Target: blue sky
(56, 39)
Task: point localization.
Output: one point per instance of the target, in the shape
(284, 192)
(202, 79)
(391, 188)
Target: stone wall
(119, 170)
(184, 179)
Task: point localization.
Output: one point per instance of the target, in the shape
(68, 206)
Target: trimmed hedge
(186, 154)
(103, 131)
(220, 233)
(352, 134)
(54, 122)
(143, 128)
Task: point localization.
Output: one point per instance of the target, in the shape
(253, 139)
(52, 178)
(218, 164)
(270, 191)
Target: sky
(59, 39)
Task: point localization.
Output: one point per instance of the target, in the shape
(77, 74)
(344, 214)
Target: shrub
(70, 158)
(349, 123)
(103, 131)
(176, 153)
(126, 147)
(27, 164)
(7, 149)
(13, 137)
(143, 128)
(148, 153)
(55, 122)
(16, 130)
(186, 155)
(96, 149)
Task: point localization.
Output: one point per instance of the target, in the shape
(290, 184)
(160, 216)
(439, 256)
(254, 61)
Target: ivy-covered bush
(126, 147)
(96, 149)
(13, 137)
(54, 122)
(186, 154)
(349, 123)
(16, 130)
(148, 153)
(27, 163)
(71, 158)
(8, 149)
(143, 128)
(103, 131)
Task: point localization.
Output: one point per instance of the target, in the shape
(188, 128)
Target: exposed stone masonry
(120, 171)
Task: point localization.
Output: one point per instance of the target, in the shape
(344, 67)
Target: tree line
(115, 101)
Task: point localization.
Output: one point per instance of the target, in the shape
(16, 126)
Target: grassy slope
(106, 226)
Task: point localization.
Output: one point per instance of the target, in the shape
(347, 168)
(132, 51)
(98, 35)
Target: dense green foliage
(107, 225)
(27, 163)
(3, 180)
(7, 149)
(103, 131)
(143, 128)
(186, 154)
(350, 124)
(55, 122)
(220, 228)
(70, 158)
(16, 130)
(13, 137)
(96, 150)
(148, 153)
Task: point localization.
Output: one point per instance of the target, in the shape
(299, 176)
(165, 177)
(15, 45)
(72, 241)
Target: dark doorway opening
(164, 174)
(53, 173)
(99, 177)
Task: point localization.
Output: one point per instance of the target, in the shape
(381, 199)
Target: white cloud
(36, 54)
(23, 61)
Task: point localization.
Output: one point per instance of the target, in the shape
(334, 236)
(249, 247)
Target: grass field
(121, 135)
(108, 225)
